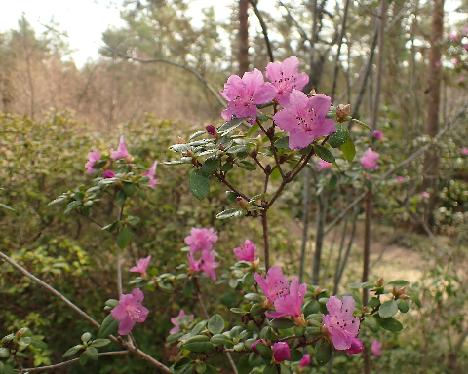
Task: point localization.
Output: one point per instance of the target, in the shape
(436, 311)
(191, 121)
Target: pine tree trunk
(243, 37)
(431, 161)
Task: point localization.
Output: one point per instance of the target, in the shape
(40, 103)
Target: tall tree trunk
(243, 37)
(431, 161)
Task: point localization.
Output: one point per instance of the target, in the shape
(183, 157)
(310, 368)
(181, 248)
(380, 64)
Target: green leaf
(108, 327)
(390, 324)
(270, 369)
(388, 309)
(399, 283)
(216, 324)
(230, 213)
(323, 352)
(282, 143)
(324, 153)
(73, 351)
(263, 350)
(339, 137)
(98, 343)
(199, 347)
(92, 353)
(220, 339)
(403, 306)
(197, 134)
(311, 307)
(124, 237)
(348, 149)
(209, 167)
(282, 323)
(4, 353)
(86, 337)
(199, 184)
(367, 284)
(230, 125)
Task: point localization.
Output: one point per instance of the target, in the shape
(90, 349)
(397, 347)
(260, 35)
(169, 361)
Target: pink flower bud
(210, 129)
(376, 348)
(356, 347)
(305, 361)
(281, 351)
(108, 173)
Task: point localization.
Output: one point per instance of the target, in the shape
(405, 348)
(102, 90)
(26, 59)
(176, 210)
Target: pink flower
(425, 195)
(400, 179)
(356, 347)
(304, 118)
(376, 348)
(454, 36)
(243, 95)
(281, 351)
(369, 159)
(151, 175)
(323, 165)
(129, 311)
(121, 151)
(274, 285)
(246, 252)
(141, 266)
(454, 61)
(289, 305)
(342, 326)
(108, 173)
(93, 157)
(305, 361)
(377, 134)
(206, 263)
(285, 78)
(464, 151)
(177, 321)
(201, 239)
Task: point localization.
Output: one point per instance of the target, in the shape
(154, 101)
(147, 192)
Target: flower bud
(343, 111)
(281, 352)
(210, 129)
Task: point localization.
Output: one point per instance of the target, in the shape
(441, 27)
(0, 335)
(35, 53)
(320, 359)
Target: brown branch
(264, 29)
(195, 73)
(68, 362)
(338, 52)
(83, 314)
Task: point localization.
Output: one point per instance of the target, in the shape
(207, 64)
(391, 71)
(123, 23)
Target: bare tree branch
(69, 362)
(264, 29)
(195, 73)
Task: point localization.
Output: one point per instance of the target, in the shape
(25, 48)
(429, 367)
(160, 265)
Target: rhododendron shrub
(272, 131)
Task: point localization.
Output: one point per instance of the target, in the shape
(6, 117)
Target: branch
(69, 362)
(264, 29)
(293, 20)
(195, 73)
(450, 126)
(131, 348)
(51, 289)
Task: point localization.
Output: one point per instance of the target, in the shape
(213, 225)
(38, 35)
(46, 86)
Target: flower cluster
(201, 256)
(97, 161)
(304, 118)
(130, 311)
(286, 297)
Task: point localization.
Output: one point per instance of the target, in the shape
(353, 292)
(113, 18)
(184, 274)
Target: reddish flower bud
(210, 129)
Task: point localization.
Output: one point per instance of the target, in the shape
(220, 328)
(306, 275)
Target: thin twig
(86, 316)
(69, 362)
(195, 73)
(264, 29)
